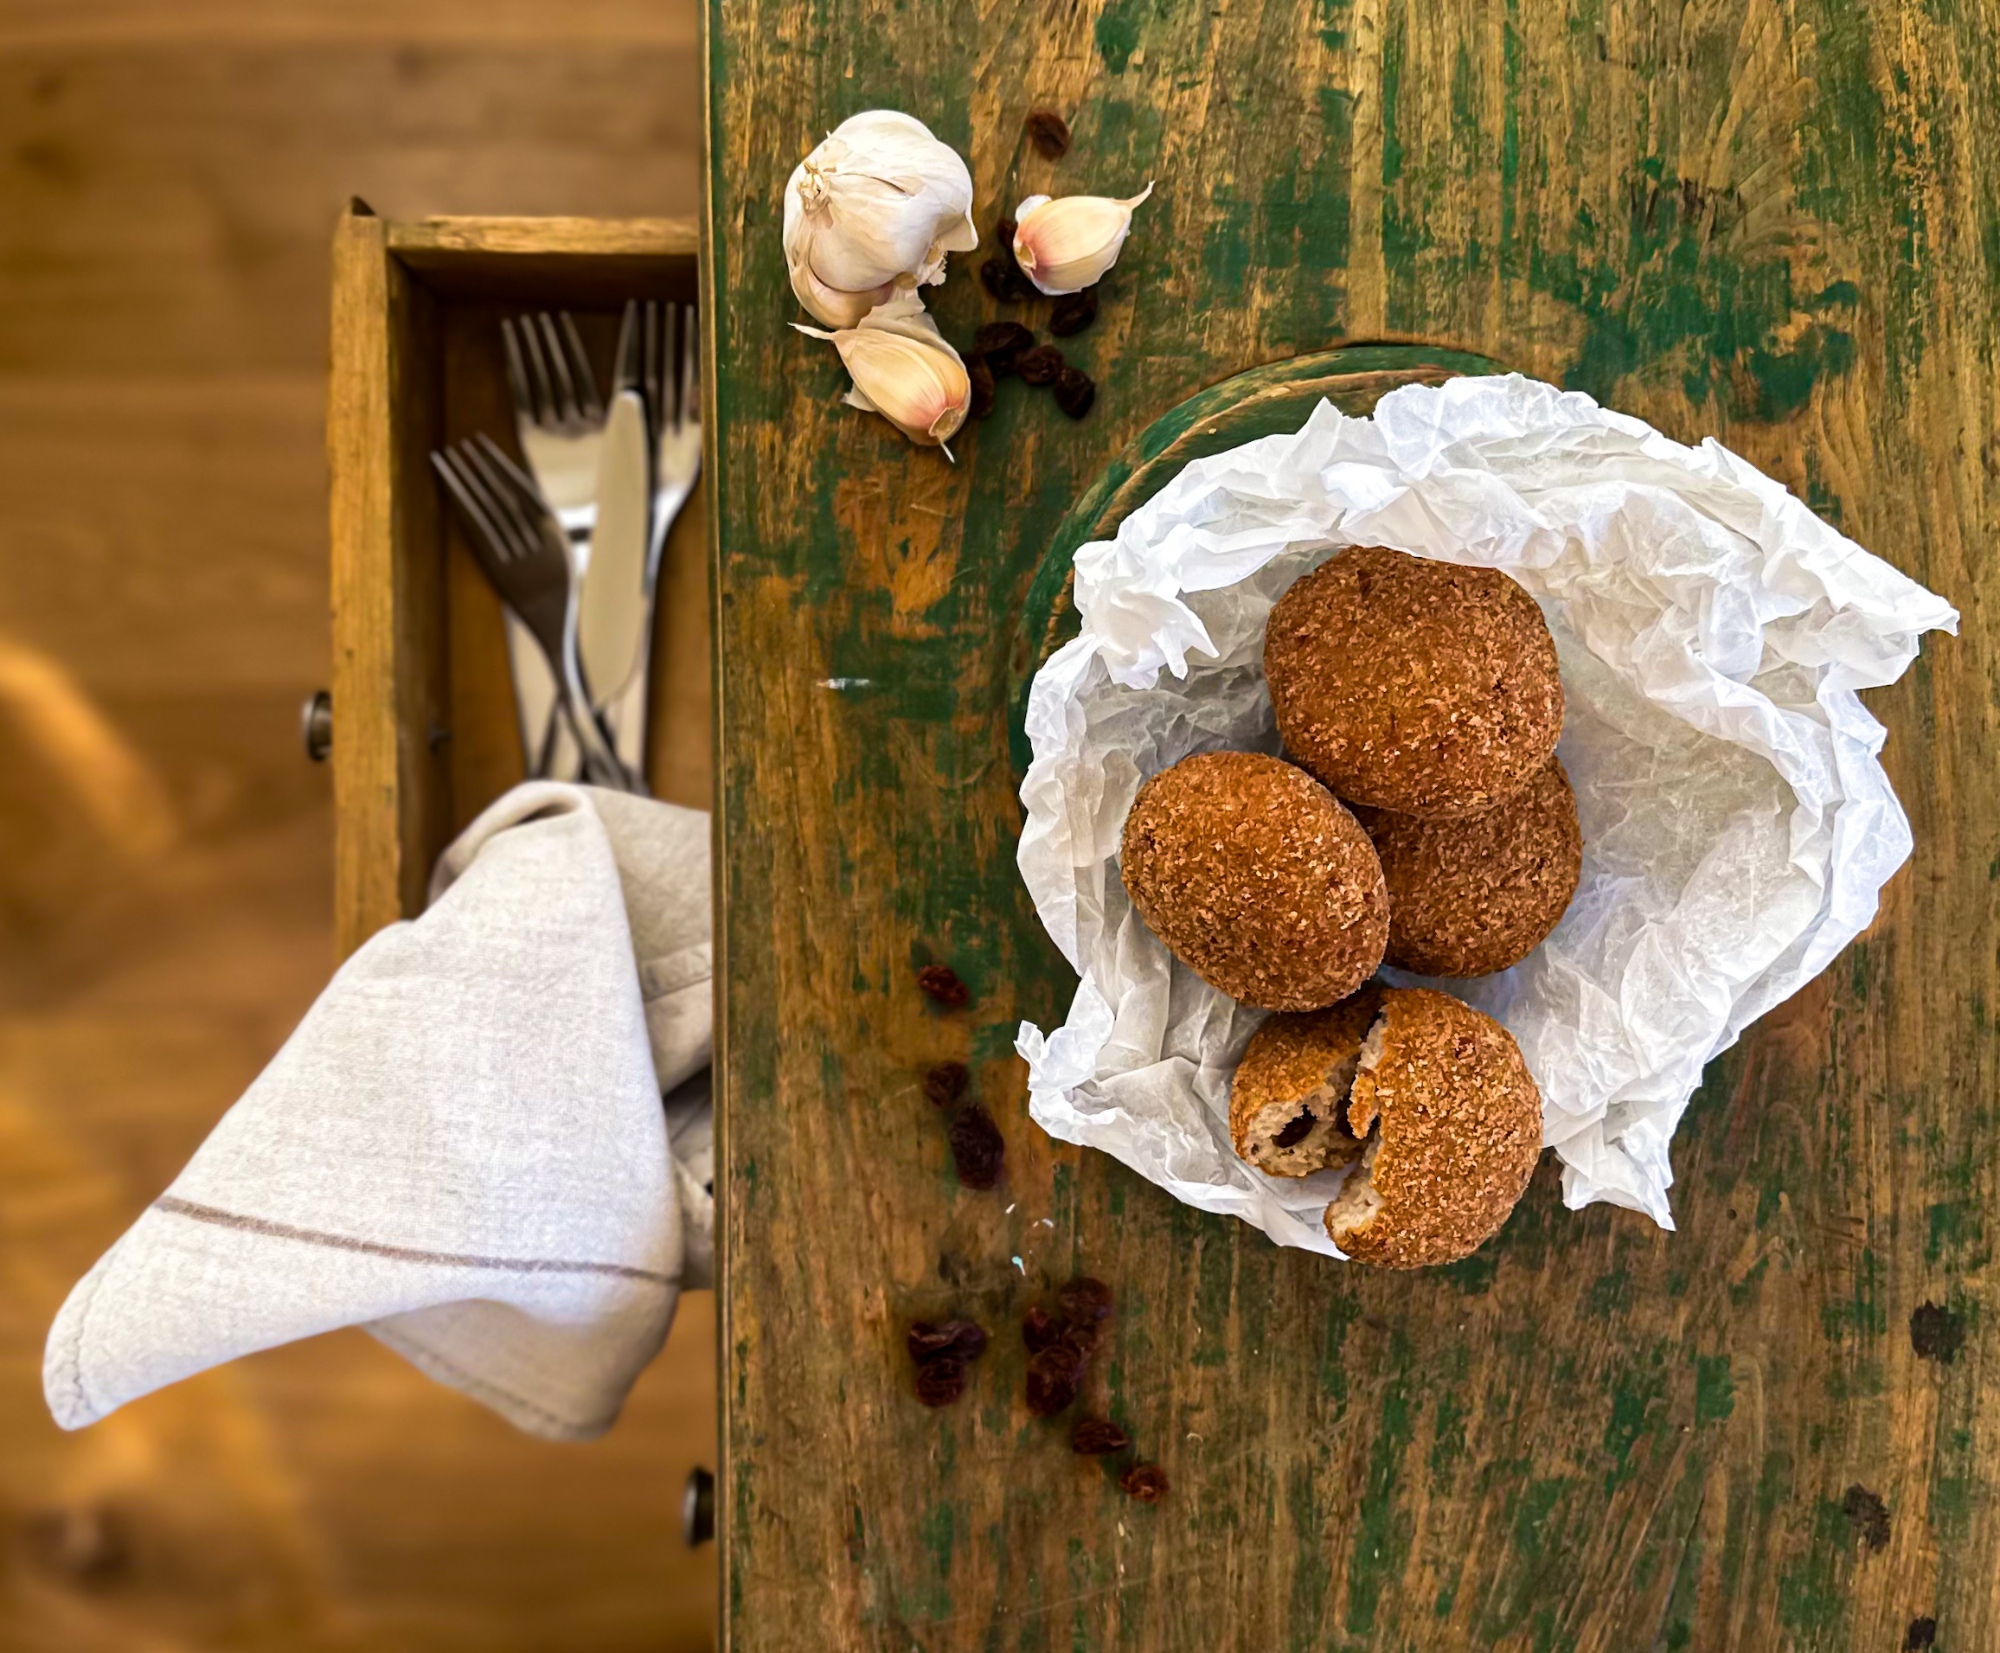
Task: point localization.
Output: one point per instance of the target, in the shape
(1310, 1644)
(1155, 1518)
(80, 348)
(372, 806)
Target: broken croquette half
(1288, 1099)
(1451, 1126)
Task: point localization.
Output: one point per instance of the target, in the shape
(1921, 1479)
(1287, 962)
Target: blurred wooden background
(169, 175)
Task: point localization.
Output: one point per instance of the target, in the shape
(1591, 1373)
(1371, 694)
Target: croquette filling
(1307, 1133)
(1355, 1206)
(1295, 1133)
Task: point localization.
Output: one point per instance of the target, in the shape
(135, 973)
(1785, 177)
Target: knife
(613, 613)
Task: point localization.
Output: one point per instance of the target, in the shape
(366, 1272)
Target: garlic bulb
(1066, 245)
(877, 205)
(904, 370)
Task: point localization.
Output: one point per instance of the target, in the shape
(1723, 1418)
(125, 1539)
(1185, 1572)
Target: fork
(657, 355)
(557, 414)
(525, 554)
(559, 420)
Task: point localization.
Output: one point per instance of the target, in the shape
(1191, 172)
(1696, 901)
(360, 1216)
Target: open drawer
(424, 727)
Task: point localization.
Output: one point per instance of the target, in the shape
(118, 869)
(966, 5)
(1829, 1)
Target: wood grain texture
(169, 178)
(1763, 222)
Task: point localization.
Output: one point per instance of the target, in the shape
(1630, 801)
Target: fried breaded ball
(1288, 1100)
(1451, 1123)
(1413, 685)
(1473, 895)
(1257, 879)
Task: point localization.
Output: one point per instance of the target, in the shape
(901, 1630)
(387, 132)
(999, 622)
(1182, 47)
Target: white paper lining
(1737, 824)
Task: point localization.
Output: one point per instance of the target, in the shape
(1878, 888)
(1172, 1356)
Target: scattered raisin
(1055, 1376)
(949, 1339)
(1075, 391)
(977, 1147)
(1001, 344)
(946, 1083)
(1080, 1335)
(1049, 133)
(1073, 313)
(1002, 338)
(1041, 365)
(1040, 1330)
(1868, 1515)
(1922, 1634)
(941, 1381)
(981, 376)
(1085, 1299)
(1936, 1333)
(940, 984)
(1296, 1131)
(1002, 273)
(1145, 1482)
(1094, 1437)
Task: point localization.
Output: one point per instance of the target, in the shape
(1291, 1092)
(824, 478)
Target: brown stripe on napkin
(177, 1207)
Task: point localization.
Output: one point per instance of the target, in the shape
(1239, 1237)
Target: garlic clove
(833, 306)
(1067, 244)
(880, 199)
(904, 369)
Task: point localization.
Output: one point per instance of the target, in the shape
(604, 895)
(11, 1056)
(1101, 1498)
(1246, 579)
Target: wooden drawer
(425, 734)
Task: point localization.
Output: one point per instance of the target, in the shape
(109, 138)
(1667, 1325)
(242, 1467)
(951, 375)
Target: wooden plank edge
(368, 851)
(426, 242)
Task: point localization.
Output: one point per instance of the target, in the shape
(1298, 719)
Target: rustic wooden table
(1767, 1430)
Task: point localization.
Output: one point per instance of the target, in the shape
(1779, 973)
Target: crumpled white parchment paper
(1737, 824)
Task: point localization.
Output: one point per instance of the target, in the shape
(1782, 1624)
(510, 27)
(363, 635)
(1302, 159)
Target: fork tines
(658, 357)
(550, 372)
(494, 494)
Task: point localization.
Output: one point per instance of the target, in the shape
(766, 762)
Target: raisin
(1002, 272)
(941, 1381)
(1085, 1299)
(940, 984)
(977, 1147)
(1040, 1330)
(1296, 1131)
(1080, 1335)
(981, 377)
(1048, 132)
(1002, 338)
(1075, 391)
(1094, 1437)
(950, 1339)
(1073, 313)
(1055, 1376)
(1042, 365)
(1145, 1482)
(946, 1083)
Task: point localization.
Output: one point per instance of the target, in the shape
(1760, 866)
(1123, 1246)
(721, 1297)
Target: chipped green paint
(1955, 1234)
(1714, 1389)
(1381, 1528)
(1341, 1311)
(1657, 286)
(1860, 1313)
(1610, 1293)
(1117, 32)
(1811, 1602)
(1638, 1412)
(1312, 1571)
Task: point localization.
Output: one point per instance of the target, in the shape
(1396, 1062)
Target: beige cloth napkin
(463, 1146)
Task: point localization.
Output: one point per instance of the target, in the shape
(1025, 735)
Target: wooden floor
(169, 175)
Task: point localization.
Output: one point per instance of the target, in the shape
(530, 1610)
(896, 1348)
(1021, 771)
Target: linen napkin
(463, 1147)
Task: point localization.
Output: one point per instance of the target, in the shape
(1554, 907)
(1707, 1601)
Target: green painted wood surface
(1772, 223)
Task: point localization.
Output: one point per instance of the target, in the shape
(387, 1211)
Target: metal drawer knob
(698, 1508)
(316, 724)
